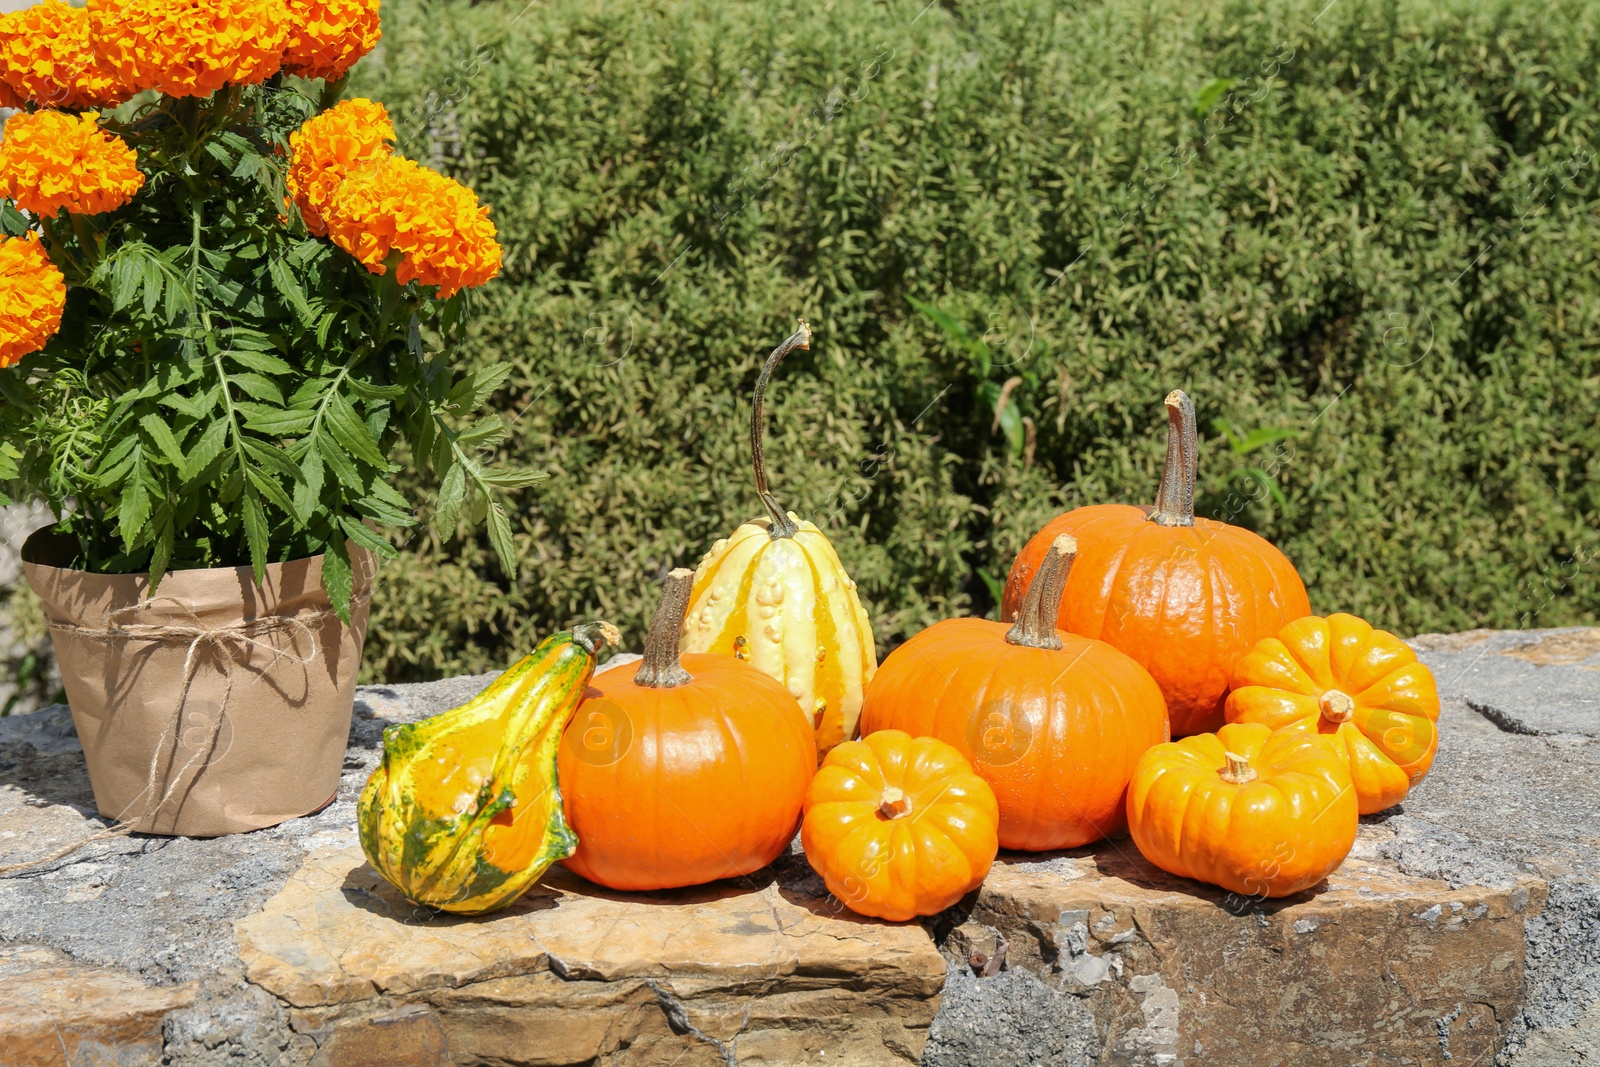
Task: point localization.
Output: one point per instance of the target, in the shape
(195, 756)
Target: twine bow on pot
(164, 784)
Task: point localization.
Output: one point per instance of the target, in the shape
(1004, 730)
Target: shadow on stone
(364, 888)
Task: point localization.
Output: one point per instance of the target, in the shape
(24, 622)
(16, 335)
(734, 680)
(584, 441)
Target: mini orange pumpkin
(1365, 688)
(1260, 813)
(1052, 721)
(899, 826)
(1184, 596)
(683, 770)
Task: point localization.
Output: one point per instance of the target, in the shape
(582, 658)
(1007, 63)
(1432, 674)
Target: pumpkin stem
(1036, 620)
(661, 668)
(1175, 499)
(895, 803)
(782, 524)
(1336, 706)
(1238, 771)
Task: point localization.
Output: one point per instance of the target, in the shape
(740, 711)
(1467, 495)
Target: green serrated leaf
(336, 576)
(359, 532)
(255, 531)
(259, 361)
(162, 436)
(276, 422)
(452, 491)
(500, 538)
(348, 429)
(205, 450)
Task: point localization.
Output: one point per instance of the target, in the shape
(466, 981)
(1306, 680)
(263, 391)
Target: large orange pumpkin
(1054, 722)
(899, 826)
(683, 770)
(1184, 596)
(1259, 813)
(1363, 687)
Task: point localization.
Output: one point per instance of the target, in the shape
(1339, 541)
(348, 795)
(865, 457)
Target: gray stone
(1514, 791)
(1505, 818)
(1013, 1019)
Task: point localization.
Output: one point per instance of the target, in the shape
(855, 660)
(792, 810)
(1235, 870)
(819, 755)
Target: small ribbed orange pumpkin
(899, 826)
(1184, 596)
(683, 770)
(1259, 813)
(1052, 721)
(1363, 687)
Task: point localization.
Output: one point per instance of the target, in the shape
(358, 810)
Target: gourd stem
(782, 524)
(662, 668)
(1175, 499)
(1035, 625)
(894, 804)
(1336, 706)
(593, 636)
(1238, 771)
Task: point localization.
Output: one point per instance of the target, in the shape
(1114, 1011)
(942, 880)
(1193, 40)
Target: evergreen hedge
(1365, 241)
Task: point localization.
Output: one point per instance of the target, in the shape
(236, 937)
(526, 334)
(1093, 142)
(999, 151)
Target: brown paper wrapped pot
(257, 735)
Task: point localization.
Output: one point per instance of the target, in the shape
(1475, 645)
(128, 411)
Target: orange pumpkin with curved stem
(1052, 721)
(1362, 687)
(683, 769)
(1184, 596)
(899, 826)
(1256, 812)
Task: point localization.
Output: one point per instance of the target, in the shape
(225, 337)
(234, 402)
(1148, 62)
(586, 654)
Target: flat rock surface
(1466, 922)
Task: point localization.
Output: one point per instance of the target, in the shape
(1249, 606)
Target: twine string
(200, 636)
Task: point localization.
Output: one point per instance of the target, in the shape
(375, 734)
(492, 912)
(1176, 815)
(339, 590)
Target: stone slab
(58, 1013)
(1373, 967)
(757, 969)
(1543, 683)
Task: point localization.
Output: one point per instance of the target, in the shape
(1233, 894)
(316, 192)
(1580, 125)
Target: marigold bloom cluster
(46, 57)
(32, 296)
(51, 160)
(189, 47)
(326, 148)
(435, 224)
(326, 37)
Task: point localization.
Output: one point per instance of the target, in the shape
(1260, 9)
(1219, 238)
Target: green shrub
(1380, 237)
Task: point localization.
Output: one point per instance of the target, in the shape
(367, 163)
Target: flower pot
(214, 707)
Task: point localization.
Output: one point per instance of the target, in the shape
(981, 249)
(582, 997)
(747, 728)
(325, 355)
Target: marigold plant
(32, 294)
(327, 148)
(326, 37)
(47, 58)
(188, 49)
(50, 160)
(194, 375)
(434, 224)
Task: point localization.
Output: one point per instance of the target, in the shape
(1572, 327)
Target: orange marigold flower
(32, 295)
(326, 148)
(433, 223)
(326, 37)
(46, 57)
(51, 160)
(189, 47)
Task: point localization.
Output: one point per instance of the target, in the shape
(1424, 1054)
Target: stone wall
(1464, 929)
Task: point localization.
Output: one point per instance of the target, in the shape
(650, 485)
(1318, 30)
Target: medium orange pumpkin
(1184, 596)
(1259, 813)
(899, 826)
(1364, 688)
(683, 770)
(1054, 722)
